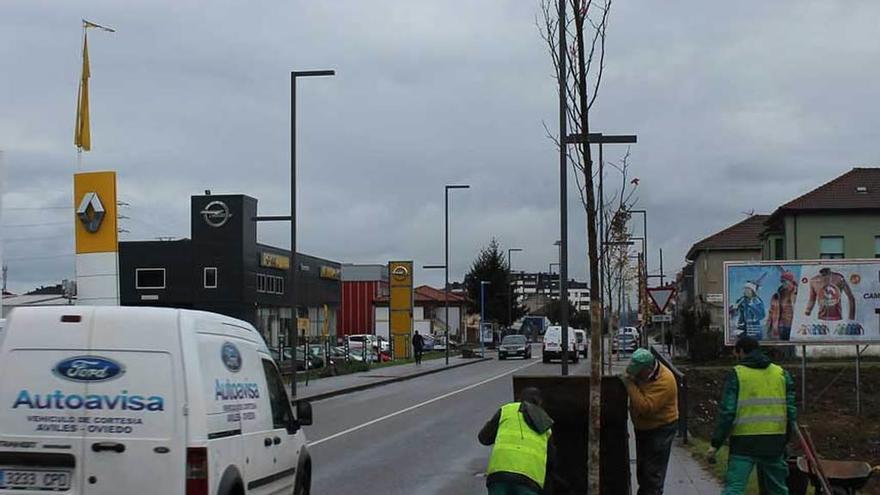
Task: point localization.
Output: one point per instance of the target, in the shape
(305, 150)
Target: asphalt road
(418, 436)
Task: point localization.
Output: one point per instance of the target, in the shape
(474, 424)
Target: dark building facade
(222, 268)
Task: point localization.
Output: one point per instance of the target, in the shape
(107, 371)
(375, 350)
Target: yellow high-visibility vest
(761, 407)
(518, 448)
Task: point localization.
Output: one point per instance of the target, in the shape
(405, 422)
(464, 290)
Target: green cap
(641, 359)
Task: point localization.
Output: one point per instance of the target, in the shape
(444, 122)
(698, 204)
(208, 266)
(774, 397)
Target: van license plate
(34, 480)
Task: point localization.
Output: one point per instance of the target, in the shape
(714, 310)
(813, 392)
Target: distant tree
(491, 265)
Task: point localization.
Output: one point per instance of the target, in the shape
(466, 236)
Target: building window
(831, 247)
(778, 249)
(149, 278)
(877, 246)
(270, 284)
(210, 278)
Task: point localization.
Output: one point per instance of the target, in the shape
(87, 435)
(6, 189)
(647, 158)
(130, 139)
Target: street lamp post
(446, 265)
(483, 284)
(510, 287)
(291, 282)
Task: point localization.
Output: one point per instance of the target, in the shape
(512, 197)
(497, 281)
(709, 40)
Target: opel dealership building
(222, 268)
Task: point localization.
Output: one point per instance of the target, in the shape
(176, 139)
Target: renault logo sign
(91, 212)
(216, 214)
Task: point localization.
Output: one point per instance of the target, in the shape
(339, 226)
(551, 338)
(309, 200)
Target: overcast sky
(738, 107)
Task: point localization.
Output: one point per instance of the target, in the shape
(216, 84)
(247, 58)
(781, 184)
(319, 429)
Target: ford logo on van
(88, 369)
(231, 357)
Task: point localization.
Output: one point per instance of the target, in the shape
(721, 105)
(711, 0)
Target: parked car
(429, 342)
(552, 347)
(283, 359)
(631, 331)
(581, 341)
(379, 343)
(514, 345)
(625, 343)
(144, 400)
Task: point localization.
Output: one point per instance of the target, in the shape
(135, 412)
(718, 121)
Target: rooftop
(855, 190)
(743, 235)
(426, 294)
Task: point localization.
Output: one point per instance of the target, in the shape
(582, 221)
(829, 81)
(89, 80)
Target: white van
(552, 348)
(124, 400)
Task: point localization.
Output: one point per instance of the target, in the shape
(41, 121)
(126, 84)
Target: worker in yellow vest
(523, 451)
(757, 412)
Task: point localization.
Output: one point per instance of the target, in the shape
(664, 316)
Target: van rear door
(42, 357)
(135, 437)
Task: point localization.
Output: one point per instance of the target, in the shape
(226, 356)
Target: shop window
(831, 247)
(210, 277)
(149, 278)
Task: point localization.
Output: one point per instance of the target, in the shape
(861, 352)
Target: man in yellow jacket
(653, 396)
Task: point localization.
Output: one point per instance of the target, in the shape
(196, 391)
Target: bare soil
(830, 414)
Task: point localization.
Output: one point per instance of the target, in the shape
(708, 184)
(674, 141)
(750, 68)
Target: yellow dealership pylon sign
(400, 306)
(94, 196)
(95, 220)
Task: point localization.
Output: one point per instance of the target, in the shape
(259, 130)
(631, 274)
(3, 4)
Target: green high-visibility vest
(761, 407)
(518, 448)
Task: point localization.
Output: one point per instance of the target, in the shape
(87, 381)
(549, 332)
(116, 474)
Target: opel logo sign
(399, 273)
(216, 214)
(91, 212)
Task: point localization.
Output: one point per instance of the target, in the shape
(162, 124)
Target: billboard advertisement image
(803, 302)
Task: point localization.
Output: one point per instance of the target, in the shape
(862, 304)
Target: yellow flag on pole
(82, 137)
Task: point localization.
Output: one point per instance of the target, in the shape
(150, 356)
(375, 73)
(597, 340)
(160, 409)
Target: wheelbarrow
(844, 477)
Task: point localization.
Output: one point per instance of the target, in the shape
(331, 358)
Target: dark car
(514, 345)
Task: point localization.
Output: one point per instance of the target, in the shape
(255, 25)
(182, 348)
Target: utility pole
(563, 185)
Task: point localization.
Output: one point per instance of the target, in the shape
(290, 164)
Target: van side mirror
(303, 413)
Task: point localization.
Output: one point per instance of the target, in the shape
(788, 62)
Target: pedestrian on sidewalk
(758, 412)
(653, 397)
(418, 344)
(523, 453)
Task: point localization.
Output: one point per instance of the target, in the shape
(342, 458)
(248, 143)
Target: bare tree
(580, 77)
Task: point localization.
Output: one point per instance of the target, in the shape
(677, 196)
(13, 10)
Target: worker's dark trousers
(503, 488)
(652, 457)
(418, 355)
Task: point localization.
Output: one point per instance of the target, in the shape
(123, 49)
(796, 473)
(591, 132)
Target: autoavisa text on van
(59, 400)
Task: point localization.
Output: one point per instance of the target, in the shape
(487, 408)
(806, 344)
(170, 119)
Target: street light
(446, 265)
(292, 218)
(510, 287)
(483, 284)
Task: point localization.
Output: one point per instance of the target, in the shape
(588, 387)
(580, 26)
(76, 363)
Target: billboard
(803, 302)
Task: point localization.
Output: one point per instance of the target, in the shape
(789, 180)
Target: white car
(580, 337)
(376, 342)
(143, 401)
(552, 347)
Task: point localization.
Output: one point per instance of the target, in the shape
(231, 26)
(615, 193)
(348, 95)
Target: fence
(681, 380)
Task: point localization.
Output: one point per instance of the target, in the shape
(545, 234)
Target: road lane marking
(421, 404)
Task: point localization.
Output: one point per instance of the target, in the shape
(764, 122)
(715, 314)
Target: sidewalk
(325, 388)
(684, 476)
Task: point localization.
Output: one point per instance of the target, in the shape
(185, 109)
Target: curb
(365, 386)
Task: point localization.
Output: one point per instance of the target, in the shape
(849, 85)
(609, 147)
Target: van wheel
(304, 481)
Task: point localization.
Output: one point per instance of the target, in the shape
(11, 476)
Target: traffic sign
(661, 318)
(660, 297)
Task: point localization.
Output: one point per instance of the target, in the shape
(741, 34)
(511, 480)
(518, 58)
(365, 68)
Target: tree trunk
(595, 427)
